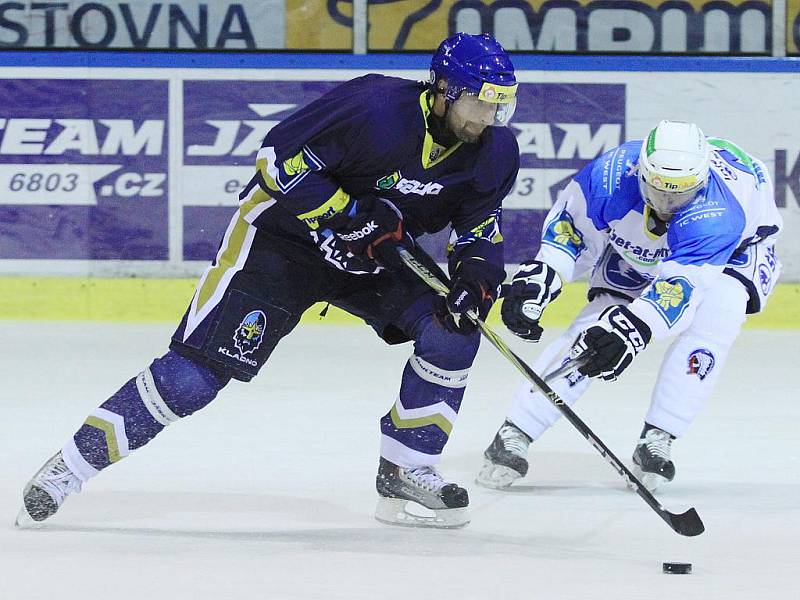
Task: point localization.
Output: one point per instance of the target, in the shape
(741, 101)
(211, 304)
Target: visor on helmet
(668, 196)
(492, 105)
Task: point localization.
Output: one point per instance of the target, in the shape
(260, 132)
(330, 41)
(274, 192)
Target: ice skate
(651, 459)
(424, 487)
(505, 459)
(46, 492)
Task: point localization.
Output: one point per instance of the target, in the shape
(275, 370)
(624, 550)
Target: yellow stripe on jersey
(258, 196)
(228, 257)
(226, 260)
(334, 205)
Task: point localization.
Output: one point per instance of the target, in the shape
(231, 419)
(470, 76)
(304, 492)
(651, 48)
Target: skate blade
(651, 481)
(392, 511)
(496, 477)
(25, 521)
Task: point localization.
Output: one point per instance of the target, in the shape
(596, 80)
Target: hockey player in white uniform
(678, 232)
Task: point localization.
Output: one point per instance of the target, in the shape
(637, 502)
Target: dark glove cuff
(481, 272)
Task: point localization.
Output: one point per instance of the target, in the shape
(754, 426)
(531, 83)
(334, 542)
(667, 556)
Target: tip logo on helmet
(497, 94)
(250, 332)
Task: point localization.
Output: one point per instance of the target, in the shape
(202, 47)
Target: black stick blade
(688, 523)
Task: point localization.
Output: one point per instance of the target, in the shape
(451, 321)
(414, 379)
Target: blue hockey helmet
(479, 66)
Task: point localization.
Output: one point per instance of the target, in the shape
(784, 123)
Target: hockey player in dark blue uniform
(373, 164)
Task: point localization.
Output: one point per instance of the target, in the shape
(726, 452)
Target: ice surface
(269, 492)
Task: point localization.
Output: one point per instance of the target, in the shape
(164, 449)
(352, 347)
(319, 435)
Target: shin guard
(171, 388)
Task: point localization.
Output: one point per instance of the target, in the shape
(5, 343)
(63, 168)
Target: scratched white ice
(269, 492)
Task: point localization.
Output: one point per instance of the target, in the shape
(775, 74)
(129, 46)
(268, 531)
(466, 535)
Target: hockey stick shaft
(687, 523)
(567, 369)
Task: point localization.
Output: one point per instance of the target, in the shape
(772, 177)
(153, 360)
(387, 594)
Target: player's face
(468, 117)
(667, 203)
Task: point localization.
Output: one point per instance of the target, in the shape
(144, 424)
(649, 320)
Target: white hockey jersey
(600, 222)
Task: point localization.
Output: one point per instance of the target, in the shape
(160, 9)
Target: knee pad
(446, 350)
(175, 386)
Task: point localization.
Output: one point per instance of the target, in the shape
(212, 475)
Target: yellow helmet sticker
(673, 184)
(497, 94)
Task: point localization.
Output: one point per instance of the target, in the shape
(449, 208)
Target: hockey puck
(677, 568)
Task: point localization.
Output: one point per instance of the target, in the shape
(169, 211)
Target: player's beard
(466, 131)
(468, 117)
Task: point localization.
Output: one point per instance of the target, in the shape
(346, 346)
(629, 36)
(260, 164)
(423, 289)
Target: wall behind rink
(121, 170)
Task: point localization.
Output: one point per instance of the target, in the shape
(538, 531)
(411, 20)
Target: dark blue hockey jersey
(370, 137)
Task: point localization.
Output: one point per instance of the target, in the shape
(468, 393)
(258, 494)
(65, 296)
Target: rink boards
(117, 165)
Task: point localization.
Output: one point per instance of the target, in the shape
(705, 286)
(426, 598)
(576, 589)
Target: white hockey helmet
(673, 166)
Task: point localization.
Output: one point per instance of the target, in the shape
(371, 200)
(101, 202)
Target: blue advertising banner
(86, 176)
(131, 165)
(224, 123)
(83, 169)
(560, 127)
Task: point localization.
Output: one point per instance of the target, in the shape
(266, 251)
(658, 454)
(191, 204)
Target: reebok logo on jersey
(359, 233)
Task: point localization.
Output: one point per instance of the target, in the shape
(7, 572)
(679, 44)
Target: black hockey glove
(612, 343)
(533, 287)
(373, 232)
(473, 289)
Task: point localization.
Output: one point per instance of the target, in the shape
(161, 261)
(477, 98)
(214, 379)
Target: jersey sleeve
(476, 224)
(574, 231)
(300, 158)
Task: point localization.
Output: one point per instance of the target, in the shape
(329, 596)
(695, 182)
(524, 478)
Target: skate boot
(46, 492)
(397, 486)
(505, 459)
(651, 458)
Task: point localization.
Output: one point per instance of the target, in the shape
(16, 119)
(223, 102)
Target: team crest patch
(562, 234)
(701, 362)
(250, 332)
(670, 297)
(295, 165)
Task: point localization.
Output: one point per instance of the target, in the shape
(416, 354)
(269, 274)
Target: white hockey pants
(688, 374)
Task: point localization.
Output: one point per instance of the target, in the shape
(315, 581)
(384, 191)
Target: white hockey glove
(612, 343)
(533, 287)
